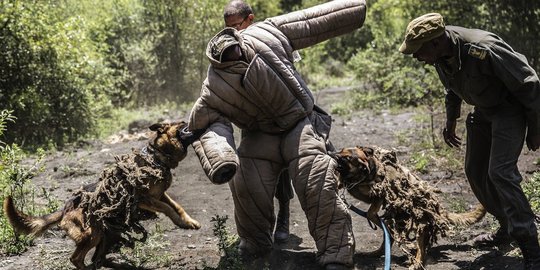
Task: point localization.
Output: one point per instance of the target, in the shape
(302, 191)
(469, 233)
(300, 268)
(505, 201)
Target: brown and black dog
(150, 176)
(373, 175)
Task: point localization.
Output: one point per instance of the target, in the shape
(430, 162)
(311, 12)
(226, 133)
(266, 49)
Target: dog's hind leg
(103, 248)
(421, 242)
(87, 243)
(99, 257)
(171, 209)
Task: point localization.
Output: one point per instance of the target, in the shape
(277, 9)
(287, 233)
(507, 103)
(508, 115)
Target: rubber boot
(499, 238)
(282, 225)
(531, 253)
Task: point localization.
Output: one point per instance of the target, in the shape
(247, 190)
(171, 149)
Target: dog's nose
(187, 137)
(333, 154)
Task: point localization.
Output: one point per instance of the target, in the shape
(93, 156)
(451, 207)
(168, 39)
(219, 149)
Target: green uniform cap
(420, 30)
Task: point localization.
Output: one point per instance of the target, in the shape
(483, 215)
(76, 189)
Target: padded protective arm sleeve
(217, 152)
(313, 25)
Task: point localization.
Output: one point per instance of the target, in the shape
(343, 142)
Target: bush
(53, 76)
(388, 77)
(14, 181)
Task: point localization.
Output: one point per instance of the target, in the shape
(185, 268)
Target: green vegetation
(227, 245)
(68, 65)
(531, 187)
(428, 150)
(155, 252)
(391, 79)
(15, 180)
(458, 205)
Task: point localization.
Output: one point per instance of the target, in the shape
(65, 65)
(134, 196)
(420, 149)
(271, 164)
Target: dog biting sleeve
(217, 152)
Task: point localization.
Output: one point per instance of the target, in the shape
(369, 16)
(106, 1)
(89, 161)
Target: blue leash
(387, 247)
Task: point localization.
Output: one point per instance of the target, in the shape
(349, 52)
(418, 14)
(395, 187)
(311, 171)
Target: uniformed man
(479, 68)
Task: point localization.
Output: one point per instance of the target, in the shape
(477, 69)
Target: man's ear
(435, 42)
(438, 41)
(251, 18)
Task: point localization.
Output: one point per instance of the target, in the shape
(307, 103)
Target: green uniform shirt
(487, 73)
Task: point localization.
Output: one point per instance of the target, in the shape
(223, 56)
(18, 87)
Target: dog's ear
(368, 151)
(157, 127)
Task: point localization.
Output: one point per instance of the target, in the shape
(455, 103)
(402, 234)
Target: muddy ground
(174, 248)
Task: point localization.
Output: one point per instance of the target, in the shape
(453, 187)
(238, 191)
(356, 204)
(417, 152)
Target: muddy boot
(282, 225)
(500, 237)
(249, 252)
(531, 253)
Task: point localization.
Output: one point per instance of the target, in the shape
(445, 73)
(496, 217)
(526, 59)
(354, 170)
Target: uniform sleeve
(520, 79)
(452, 103)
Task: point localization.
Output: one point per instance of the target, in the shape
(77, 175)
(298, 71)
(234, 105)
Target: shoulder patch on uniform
(477, 52)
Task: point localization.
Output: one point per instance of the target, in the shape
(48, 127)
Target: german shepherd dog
(165, 149)
(412, 211)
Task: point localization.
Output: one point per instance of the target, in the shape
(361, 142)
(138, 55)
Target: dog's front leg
(180, 210)
(373, 211)
(155, 205)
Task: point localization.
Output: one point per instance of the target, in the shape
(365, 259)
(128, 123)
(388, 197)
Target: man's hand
(533, 142)
(449, 134)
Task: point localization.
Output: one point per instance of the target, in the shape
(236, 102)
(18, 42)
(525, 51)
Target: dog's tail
(467, 218)
(29, 225)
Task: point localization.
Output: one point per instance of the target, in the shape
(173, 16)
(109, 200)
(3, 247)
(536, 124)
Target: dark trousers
(284, 190)
(494, 142)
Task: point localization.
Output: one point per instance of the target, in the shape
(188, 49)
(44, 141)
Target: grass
(153, 253)
(427, 149)
(57, 259)
(457, 204)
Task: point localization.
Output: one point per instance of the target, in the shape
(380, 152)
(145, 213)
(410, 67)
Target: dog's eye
(354, 161)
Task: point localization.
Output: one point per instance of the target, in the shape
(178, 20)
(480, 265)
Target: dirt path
(66, 171)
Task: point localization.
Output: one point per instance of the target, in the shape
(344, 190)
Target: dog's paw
(192, 224)
(416, 266)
